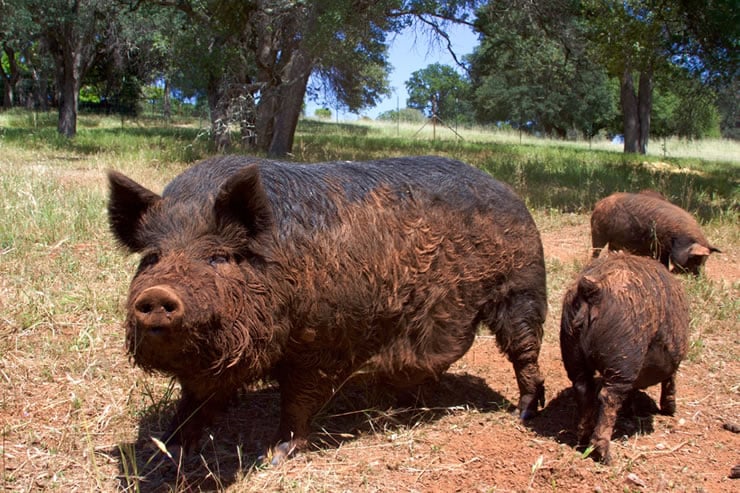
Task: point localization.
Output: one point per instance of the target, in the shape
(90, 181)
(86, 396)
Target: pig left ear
(243, 199)
(589, 289)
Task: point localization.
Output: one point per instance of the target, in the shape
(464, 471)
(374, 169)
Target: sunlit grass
(704, 149)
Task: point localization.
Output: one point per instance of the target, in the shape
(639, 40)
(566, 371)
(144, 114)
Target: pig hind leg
(581, 374)
(610, 400)
(668, 396)
(585, 390)
(517, 323)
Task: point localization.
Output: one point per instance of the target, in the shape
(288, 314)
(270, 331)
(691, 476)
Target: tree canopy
(441, 92)
(553, 65)
(537, 74)
(556, 66)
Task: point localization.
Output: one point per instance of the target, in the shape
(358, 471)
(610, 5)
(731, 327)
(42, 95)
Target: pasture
(75, 415)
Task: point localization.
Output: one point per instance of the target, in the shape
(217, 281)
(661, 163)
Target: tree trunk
(266, 110)
(285, 65)
(7, 93)
(69, 81)
(630, 114)
(67, 125)
(636, 109)
(11, 78)
(645, 101)
(219, 118)
(41, 91)
(290, 103)
(166, 102)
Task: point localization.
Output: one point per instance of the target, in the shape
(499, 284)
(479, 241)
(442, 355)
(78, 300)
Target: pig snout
(158, 310)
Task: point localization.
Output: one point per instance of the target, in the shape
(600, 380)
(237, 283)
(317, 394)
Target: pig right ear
(243, 199)
(127, 204)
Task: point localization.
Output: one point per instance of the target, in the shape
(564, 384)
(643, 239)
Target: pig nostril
(170, 307)
(144, 308)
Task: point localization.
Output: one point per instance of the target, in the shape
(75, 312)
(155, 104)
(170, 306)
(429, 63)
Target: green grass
(559, 175)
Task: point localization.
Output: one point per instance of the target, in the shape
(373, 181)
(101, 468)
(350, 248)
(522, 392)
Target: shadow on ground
(558, 420)
(229, 449)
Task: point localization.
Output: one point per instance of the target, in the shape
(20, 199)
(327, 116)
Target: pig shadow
(229, 449)
(559, 418)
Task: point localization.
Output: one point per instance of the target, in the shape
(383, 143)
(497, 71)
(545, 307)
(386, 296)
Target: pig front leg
(195, 411)
(303, 392)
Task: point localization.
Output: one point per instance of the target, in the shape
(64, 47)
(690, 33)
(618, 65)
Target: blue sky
(409, 52)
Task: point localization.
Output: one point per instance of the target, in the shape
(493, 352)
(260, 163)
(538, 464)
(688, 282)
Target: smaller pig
(647, 224)
(626, 317)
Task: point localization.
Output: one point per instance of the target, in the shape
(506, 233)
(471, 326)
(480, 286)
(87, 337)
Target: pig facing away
(646, 224)
(627, 318)
(306, 273)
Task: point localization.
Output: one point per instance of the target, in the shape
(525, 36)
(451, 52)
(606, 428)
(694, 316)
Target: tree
(532, 69)
(267, 50)
(439, 91)
(683, 107)
(74, 32)
(638, 39)
(342, 43)
(211, 55)
(407, 115)
(17, 35)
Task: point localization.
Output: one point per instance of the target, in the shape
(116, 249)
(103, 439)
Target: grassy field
(74, 412)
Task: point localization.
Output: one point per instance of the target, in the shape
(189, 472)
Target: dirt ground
(463, 438)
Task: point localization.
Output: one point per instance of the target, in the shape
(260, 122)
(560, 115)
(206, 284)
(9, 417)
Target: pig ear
(682, 255)
(243, 199)
(589, 289)
(127, 204)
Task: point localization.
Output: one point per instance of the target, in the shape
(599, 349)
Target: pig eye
(148, 260)
(218, 259)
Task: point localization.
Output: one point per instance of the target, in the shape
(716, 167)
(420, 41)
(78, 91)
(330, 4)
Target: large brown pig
(253, 269)
(647, 224)
(627, 318)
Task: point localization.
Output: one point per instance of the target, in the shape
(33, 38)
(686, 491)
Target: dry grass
(76, 416)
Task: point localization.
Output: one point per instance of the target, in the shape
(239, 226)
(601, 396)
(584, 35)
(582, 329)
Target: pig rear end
(626, 317)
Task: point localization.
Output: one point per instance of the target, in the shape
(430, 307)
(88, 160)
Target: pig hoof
(668, 408)
(530, 403)
(177, 453)
(733, 427)
(277, 455)
(600, 454)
